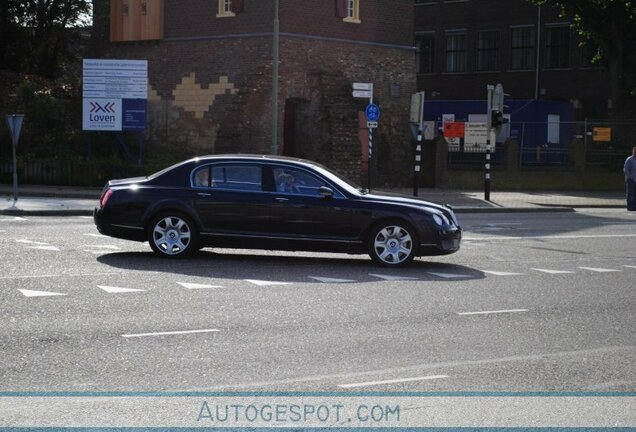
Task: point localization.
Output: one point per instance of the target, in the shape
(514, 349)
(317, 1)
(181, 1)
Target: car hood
(405, 200)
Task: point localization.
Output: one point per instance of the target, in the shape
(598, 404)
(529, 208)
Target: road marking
(449, 275)
(599, 270)
(86, 217)
(548, 271)
(630, 266)
(31, 242)
(170, 333)
(189, 285)
(16, 218)
(391, 278)
(47, 248)
(493, 312)
(58, 275)
(330, 280)
(117, 290)
(265, 283)
(499, 273)
(112, 247)
(33, 293)
(96, 235)
(548, 237)
(393, 381)
(418, 368)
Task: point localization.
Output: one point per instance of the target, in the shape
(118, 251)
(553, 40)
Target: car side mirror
(325, 192)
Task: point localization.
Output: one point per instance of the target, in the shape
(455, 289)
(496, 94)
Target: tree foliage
(607, 27)
(36, 36)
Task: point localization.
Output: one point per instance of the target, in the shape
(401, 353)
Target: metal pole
(491, 139)
(370, 149)
(418, 147)
(15, 175)
(276, 49)
(538, 60)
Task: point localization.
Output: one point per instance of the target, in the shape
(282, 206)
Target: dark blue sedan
(273, 203)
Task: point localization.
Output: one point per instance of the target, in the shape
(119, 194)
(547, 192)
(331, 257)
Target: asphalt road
(532, 302)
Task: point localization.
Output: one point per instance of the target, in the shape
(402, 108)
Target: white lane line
(95, 235)
(33, 293)
(599, 270)
(189, 285)
(391, 278)
(493, 312)
(549, 237)
(548, 271)
(86, 217)
(330, 280)
(630, 266)
(449, 275)
(182, 332)
(58, 275)
(118, 290)
(16, 218)
(46, 248)
(265, 283)
(500, 273)
(31, 242)
(112, 247)
(393, 381)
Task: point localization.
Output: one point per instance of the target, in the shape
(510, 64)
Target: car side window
(237, 177)
(296, 182)
(201, 177)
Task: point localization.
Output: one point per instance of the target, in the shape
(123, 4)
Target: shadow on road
(290, 267)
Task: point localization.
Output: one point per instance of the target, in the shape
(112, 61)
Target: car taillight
(105, 196)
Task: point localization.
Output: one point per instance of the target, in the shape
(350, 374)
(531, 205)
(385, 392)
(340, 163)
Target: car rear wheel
(392, 244)
(172, 235)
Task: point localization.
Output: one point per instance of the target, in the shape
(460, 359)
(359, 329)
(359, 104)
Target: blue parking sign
(372, 112)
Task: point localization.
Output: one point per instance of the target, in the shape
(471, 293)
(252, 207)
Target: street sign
(372, 124)
(362, 94)
(602, 134)
(363, 86)
(372, 112)
(454, 130)
(417, 107)
(14, 122)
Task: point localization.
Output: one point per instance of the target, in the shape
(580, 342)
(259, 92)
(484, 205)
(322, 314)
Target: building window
(557, 47)
(522, 48)
(425, 54)
(352, 11)
(488, 50)
(225, 9)
(456, 52)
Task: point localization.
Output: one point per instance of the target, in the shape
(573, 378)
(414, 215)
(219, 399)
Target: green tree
(37, 34)
(609, 28)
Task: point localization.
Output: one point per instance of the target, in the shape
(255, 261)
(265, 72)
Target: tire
(173, 235)
(392, 244)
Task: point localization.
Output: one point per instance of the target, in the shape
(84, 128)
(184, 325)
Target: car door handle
(280, 199)
(203, 194)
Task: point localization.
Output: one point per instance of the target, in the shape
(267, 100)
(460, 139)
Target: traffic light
(497, 119)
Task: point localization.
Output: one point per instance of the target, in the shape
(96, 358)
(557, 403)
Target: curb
(46, 212)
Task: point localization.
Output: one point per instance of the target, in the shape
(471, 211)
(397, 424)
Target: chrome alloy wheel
(171, 235)
(393, 245)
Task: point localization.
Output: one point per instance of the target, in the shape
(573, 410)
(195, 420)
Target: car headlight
(440, 220)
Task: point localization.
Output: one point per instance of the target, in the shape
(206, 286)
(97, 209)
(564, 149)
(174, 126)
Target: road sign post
(365, 91)
(14, 122)
(417, 117)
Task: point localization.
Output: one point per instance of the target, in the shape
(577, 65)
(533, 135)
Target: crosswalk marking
(548, 271)
(265, 283)
(34, 293)
(500, 273)
(599, 270)
(189, 285)
(449, 275)
(330, 280)
(391, 277)
(118, 290)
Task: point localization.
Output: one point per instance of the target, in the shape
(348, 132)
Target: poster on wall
(115, 95)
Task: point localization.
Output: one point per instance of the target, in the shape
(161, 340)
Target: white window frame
(225, 9)
(353, 12)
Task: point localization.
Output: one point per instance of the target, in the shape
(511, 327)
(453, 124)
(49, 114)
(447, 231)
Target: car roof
(252, 157)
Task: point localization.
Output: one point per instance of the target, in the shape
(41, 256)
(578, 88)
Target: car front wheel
(392, 244)
(173, 235)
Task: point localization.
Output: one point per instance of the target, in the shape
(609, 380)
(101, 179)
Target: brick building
(463, 45)
(210, 75)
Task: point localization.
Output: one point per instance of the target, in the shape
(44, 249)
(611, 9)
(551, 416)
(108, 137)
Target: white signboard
(362, 94)
(429, 130)
(115, 94)
(363, 86)
(475, 136)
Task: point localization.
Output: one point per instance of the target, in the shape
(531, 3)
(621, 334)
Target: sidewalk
(77, 201)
